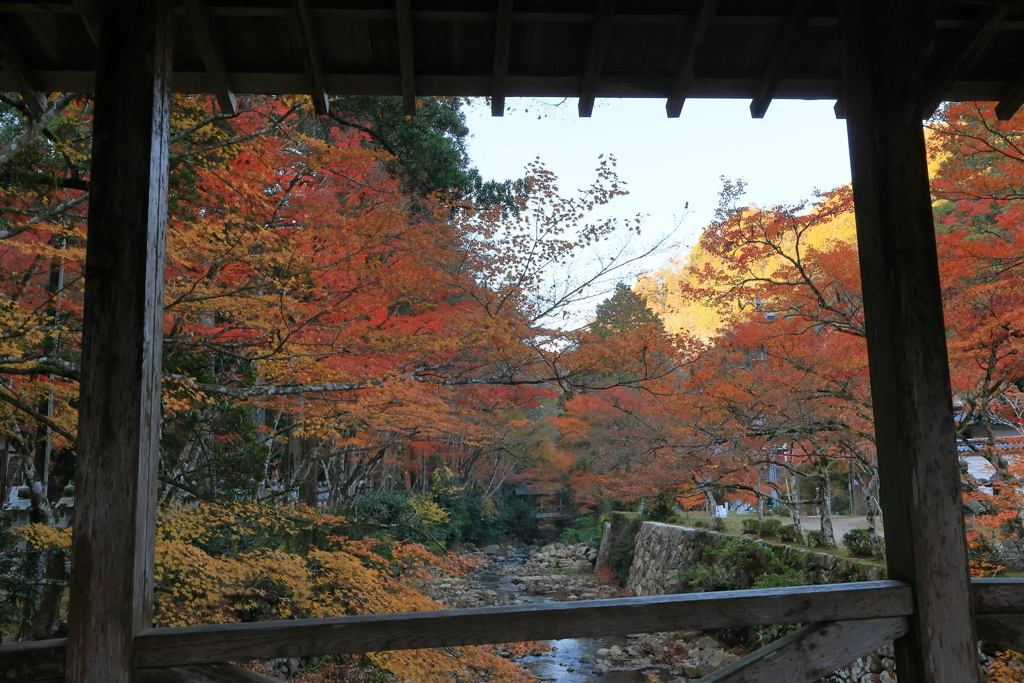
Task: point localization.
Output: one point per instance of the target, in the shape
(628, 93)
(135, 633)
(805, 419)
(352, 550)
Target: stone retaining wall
(660, 549)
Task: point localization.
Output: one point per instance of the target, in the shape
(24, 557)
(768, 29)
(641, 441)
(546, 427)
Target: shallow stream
(562, 663)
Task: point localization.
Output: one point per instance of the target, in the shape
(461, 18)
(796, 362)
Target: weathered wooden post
(119, 414)
(883, 46)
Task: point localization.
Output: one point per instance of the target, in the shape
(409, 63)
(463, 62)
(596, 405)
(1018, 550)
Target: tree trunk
(872, 505)
(712, 505)
(828, 536)
(43, 619)
(794, 485)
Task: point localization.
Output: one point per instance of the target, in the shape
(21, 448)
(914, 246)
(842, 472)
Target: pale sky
(797, 147)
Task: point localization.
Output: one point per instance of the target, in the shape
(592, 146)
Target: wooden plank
(13, 63)
(209, 49)
(586, 618)
(600, 32)
(998, 596)
(502, 45)
(406, 61)
(812, 652)
(961, 61)
(684, 74)
(111, 594)
(1011, 100)
(883, 47)
(32, 661)
(992, 597)
(772, 75)
(311, 57)
(1004, 631)
(205, 673)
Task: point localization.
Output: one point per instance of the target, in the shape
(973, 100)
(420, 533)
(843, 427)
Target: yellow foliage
(247, 562)
(488, 509)
(43, 537)
(1008, 668)
(430, 512)
(662, 288)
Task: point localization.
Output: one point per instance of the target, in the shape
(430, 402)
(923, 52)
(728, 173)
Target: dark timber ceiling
(671, 49)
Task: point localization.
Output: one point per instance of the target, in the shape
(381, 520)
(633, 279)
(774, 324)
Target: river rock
(615, 652)
(719, 658)
(690, 669)
(603, 652)
(707, 643)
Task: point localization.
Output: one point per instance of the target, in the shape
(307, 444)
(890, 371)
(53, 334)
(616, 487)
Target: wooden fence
(843, 622)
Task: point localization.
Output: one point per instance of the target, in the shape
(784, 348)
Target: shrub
(622, 545)
(770, 527)
(815, 539)
(783, 511)
(751, 526)
(586, 530)
(787, 533)
(719, 525)
(858, 542)
(737, 563)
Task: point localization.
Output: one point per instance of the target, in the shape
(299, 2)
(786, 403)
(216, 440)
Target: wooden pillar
(119, 413)
(883, 44)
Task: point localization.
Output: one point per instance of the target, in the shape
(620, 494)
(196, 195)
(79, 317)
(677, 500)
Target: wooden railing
(844, 622)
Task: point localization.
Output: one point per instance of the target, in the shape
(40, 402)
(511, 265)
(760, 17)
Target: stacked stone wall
(661, 549)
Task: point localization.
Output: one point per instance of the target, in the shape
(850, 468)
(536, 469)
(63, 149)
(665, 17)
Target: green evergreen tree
(623, 311)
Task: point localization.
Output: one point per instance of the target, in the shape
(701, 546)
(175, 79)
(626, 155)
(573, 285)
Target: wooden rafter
(406, 61)
(199, 19)
(980, 35)
(311, 57)
(502, 45)
(811, 652)
(1011, 100)
(768, 84)
(680, 88)
(90, 17)
(599, 35)
(13, 63)
(42, 33)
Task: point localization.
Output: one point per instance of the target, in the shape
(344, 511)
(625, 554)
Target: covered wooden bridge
(888, 63)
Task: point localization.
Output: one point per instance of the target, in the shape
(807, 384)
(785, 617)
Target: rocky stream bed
(556, 572)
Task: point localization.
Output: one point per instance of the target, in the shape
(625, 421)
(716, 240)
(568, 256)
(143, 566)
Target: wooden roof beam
(90, 14)
(14, 64)
(680, 88)
(502, 45)
(772, 76)
(599, 35)
(407, 64)
(1011, 100)
(199, 19)
(310, 57)
(979, 36)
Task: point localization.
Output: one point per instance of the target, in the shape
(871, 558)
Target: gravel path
(843, 523)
